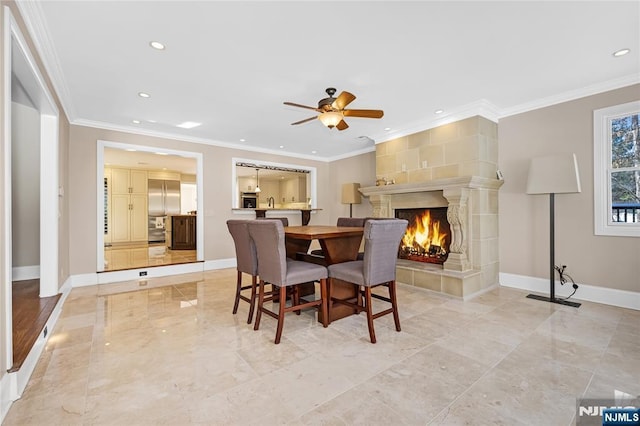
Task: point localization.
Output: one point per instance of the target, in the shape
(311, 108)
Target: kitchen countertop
(262, 212)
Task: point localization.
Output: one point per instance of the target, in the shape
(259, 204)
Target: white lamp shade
(554, 174)
(331, 118)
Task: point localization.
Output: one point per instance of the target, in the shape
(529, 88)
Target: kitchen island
(262, 212)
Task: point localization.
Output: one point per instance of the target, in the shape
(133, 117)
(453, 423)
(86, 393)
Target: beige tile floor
(117, 258)
(172, 353)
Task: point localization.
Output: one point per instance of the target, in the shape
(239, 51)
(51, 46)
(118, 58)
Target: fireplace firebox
(428, 235)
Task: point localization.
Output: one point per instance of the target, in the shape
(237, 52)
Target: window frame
(602, 152)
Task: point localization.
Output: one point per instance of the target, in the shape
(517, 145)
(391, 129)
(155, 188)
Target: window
(616, 170)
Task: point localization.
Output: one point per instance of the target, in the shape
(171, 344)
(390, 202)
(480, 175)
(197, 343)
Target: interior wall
(63, 242)
(216, 187)
(25, 185)
(358, 169)
(601, 261)
(3, 202)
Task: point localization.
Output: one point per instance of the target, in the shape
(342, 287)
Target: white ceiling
(231, 65)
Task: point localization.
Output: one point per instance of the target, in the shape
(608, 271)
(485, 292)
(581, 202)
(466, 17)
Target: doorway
(145, 249)
(28, 255)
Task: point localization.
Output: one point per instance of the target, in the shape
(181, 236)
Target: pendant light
(257, 183)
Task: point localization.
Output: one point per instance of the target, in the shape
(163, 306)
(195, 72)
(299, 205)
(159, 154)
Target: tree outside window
(617, 170)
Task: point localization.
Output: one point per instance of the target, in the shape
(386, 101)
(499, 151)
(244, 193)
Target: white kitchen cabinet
(128, 201)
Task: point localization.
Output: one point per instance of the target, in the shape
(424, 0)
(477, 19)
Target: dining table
(339, 244)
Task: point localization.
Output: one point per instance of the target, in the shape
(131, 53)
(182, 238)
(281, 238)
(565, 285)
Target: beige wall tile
(410, 159)
(432, 154)
(452, 286)
(469, 126)
(420, 175)
(397, 145)
(461, 150)
(472, 285)
(419, 139)
(385, 165)
(444, 134)
(404, 275)
(487, 128)
(445, 171)
(428, 281)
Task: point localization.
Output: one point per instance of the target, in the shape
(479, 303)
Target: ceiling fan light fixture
(331, 118)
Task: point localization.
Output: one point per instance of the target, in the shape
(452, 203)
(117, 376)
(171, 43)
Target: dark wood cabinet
(183, 232)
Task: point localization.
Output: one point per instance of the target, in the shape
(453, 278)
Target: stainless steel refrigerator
(164, 199)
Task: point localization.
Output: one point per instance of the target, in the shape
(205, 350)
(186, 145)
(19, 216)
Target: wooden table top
(319, 232)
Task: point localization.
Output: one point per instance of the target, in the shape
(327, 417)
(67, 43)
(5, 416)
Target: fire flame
(423, 234)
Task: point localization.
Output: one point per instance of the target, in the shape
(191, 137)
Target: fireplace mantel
(472, 214)
(474, 182)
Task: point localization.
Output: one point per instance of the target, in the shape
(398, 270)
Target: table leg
(341, 290)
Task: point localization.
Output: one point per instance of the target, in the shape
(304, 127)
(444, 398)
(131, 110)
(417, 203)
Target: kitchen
(150, 209)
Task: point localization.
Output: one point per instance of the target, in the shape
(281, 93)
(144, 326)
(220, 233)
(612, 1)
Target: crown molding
(33, 18)
(192, 139)
(571, 95)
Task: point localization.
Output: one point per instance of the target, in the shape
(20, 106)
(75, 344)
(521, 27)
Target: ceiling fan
(332, 110)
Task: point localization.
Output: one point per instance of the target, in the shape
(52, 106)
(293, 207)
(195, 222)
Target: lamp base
(558, 301)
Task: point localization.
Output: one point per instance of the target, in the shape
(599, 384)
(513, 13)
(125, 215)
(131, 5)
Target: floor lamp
(351, 195)
(556, 174)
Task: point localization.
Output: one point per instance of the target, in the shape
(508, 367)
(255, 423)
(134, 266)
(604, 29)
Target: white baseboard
(5, 396)
(608, 296)
(219, 264)
(21, 273)
(82, 280)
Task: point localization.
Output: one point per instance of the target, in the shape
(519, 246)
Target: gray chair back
(268, 237)
(351, 221)
(284, 220)
(246, 257)
(381, 242)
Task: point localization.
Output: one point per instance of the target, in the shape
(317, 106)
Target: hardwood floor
(30, 314)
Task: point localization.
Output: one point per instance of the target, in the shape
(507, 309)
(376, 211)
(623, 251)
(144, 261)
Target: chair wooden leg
(283, 301)
(295, 298)
(252, 304)
(325, 303)
(394, 303)
(238, 286)
(367, 296)
(260, 303)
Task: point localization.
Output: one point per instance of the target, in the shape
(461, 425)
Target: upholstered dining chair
(284, 220)
(247, 263)
(276, 269)
(377, 268)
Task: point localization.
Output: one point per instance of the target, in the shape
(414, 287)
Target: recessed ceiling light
(313, 152)
(621, 52)
(242, 140)
(135, 121)
(144, 95)
(438, 111)
(161, 153)
(130, 149)
(188, 124)
(152, 121)
(386, 129)
(156, 45)
(281, 146)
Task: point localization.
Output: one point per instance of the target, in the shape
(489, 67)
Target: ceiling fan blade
(302, 106)
(304, 121)
(365, 113)
(342, 125)
(343, 100)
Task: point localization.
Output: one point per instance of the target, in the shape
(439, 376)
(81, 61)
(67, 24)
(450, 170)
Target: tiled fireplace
(452, 167)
